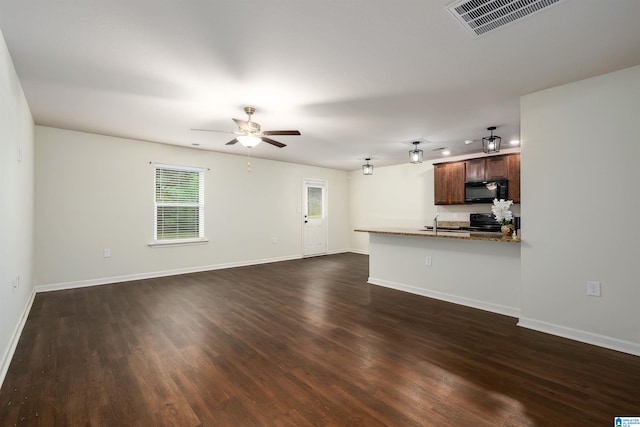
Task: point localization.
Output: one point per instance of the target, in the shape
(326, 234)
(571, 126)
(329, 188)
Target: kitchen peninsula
(480, 270)
(445, 233)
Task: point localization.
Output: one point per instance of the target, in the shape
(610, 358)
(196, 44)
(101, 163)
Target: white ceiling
(358, 78)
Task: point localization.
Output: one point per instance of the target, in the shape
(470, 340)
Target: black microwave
(485, 191)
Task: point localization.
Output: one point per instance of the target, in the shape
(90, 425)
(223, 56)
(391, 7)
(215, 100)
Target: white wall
(580, 151)
(95, 192)
(398, 196)
(402, 196)
(16, 207)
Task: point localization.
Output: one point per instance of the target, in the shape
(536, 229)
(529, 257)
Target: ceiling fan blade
(213, 130)
(281, 132)
(242, 124)
(273, 142)
(233, 141)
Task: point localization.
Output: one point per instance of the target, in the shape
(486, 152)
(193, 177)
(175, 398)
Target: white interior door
(315, 218)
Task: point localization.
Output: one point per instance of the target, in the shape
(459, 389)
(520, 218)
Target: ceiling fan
(250, 134)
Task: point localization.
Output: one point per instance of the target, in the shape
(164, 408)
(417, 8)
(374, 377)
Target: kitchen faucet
(435, 224)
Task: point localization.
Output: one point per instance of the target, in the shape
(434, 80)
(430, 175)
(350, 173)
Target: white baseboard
(8, 355)
(332, 252)
(338, 251)
(468, 302)
(359, 251)
(581, 336)
(140, 276)
(152, 275)
(548, 328)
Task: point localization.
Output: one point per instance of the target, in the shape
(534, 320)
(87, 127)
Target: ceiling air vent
(480, 17)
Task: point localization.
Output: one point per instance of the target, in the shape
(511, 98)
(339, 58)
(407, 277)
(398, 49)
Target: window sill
(169, 243)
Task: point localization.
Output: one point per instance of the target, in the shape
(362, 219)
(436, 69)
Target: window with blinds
(179, 203)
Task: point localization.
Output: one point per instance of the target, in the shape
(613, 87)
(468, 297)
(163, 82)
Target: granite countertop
(451, 224)
(442, 234)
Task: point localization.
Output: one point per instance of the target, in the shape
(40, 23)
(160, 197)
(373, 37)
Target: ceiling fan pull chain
(249, 161)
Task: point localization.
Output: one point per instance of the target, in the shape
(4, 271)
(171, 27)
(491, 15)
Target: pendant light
(367, 168)
(491, 144)
(415, 155)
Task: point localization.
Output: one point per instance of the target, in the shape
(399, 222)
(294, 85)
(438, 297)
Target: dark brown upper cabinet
(474, 170)
(513, 175)
(449, 183)
(449, 178)
(494, 167)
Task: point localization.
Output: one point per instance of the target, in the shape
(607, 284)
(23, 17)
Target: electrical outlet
(274, 239)
(106, 253)
(428, 261)
(593, 289)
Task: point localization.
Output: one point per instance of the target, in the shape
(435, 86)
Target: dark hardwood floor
(298, 343)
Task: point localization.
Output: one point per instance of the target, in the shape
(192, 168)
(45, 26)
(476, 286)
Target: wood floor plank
(298, 343)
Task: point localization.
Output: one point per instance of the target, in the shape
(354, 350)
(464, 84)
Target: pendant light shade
(491, 144)
(367, 168)
(415, 155)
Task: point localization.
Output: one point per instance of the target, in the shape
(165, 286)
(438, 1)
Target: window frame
(200, 204)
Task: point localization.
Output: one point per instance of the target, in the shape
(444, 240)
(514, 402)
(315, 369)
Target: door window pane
(314, 203)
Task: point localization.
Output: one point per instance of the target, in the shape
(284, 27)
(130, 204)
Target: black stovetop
(482, 222)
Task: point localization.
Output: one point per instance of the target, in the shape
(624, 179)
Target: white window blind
(179, 203)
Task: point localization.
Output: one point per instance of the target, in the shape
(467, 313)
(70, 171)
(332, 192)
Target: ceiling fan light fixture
(491, 144)
(415, 155)
(250, 133)
(249, 141)
(367, 168)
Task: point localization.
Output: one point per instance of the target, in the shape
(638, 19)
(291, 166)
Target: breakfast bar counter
(442, 233)
(480, 270)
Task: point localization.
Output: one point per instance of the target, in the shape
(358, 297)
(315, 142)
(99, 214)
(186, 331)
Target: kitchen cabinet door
(496, 167)
(449, 183)
(474, 170)
(513, 163)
